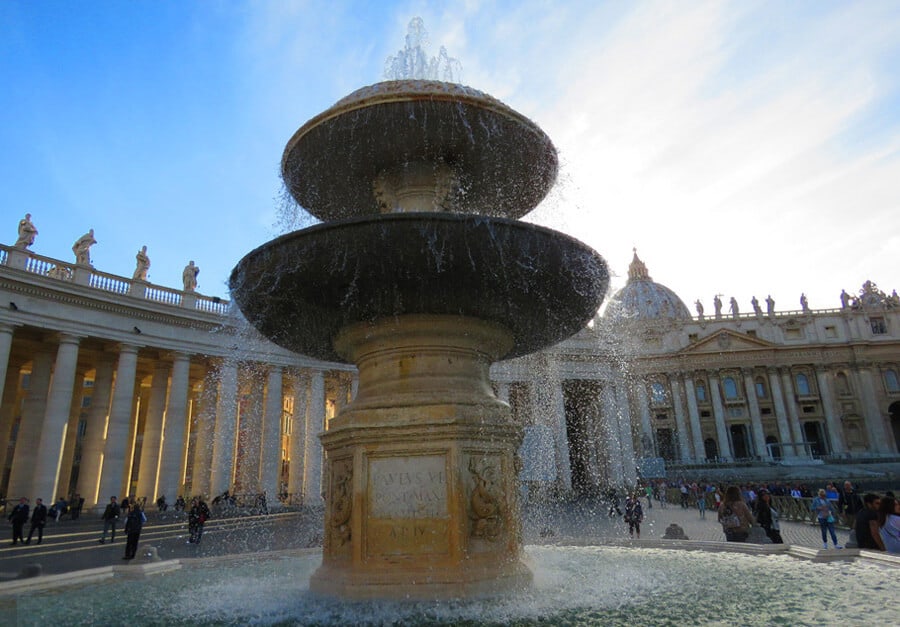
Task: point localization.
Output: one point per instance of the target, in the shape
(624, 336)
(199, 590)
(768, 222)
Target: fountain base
(421, 496)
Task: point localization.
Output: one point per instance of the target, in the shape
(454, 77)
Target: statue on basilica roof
(143, 265)
(804, 303)
(27, 232)
(770, 304)
(699, 307)
(755, 303)
(82, 248)
(735, 311)
(717, 305)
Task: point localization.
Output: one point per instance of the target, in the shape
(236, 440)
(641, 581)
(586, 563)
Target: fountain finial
(412, 63)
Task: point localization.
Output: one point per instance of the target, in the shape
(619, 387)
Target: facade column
(28, 437)
(6, 337)
(118, 449)
(95, 433)
(694, 416)
(56, 417)
(222, 461)
(148, 467)
(8, 407)
(684, 446)
(205, 432)
(270, 470)
(248, 456)
(781, 416)
(626, 436)
(299, 436)
(173, 455)
(647, 435)
(793, 416)
(315, 424)
(68, 454)
(835, 430)
(759, 437)
(615, 470)
(879, 441)
(549, 411)
(715, 393)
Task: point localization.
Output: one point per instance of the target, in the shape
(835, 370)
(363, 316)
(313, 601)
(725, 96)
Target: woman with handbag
(825, 512)
(767, 517)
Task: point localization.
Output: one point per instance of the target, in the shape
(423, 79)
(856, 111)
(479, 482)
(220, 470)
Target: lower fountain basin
(299, 290)
(572, 585)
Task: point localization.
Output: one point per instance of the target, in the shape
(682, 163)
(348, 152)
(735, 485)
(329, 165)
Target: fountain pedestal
(421, 466)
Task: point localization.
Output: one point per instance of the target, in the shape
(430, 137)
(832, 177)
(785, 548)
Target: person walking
(634, 515)
(110, 518)
(825, 512)
(18, 517)
(767, 517)
(701, 504)
(734, 516)
(134, 523)
(38, 520)
(197, 517)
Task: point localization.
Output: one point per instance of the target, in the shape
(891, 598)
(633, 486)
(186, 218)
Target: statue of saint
(804, 304)
(143, 264)
(82, 248)
(189, 276)
(845, 299)
(699, 307)
(717, 305)
(770, 304)
(756, 308)
(734, 307)
(27, 231)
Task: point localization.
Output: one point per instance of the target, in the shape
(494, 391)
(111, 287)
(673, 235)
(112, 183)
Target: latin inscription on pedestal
(408, 510)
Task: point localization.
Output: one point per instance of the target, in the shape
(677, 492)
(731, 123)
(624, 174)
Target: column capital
(8, 327)
(131, 349)
(747, 371)
(69, 338)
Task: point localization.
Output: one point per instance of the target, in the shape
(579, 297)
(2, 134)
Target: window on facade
(761, 391)
(803, 385)
(751, 333)
(809, 409)
(878, 326)
(842, 384)
(658, 393)
(830, 331)
(700, 389)
(705, 414)
(662, 416)
(735, 412)
(765, 411)
(729, 387)
(692, 337)
(890, 380)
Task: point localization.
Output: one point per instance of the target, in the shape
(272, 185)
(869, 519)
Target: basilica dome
(643, 299)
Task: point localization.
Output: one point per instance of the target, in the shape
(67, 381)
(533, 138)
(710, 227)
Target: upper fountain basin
(482, 156)
(299, 290)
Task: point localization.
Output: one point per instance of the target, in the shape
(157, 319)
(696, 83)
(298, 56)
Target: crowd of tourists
(874, 518)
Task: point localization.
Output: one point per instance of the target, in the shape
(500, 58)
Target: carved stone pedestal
(421, 471)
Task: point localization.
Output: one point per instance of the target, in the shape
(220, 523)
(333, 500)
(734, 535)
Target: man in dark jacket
(849, 503)
(110, 518)
(18, 517)
(38, 520)
(134, 522)
(867, 535)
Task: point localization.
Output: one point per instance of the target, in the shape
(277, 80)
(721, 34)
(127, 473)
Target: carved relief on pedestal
(341, 502)
(485, 498)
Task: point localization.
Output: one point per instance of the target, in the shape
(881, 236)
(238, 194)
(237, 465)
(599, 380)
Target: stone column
(684, 446)
(248, 456)
(615, 471)
(118, 449)
(6, 337)
(68, 454)
(222, 462)
(549, 409)
(315, 424)
(781, 415)
(835, 429)
(793, 416)
(173, 458)
(206, 427)
(626, 436)
(299, 436)
(95, 433)
(647, 435)
(719, 413)
(8, 407)
(879, 440)
(56, 417)
(148, 468)
(694, 416)
(270, 470)
(25, 460)
(759, 436)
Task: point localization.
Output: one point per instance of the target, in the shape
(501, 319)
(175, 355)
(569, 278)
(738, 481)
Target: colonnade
(121, 419)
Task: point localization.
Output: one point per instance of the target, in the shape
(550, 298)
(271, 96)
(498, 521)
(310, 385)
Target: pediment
(725, 341)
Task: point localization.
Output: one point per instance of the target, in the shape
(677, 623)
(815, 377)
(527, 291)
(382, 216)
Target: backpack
(729, 519)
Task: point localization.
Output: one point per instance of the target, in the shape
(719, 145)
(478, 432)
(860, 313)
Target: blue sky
(745, 148)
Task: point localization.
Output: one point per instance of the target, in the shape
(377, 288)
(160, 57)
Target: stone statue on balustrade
(27, 232)
(770, 305)
(756, 308)
(845, 299)
(735, 311)
(82, 248)
(717, 305)
(699, 307)
(189, 276)
(804, 304)
(143, 265)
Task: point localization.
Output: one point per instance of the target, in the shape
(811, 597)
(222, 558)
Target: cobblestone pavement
(591, 519)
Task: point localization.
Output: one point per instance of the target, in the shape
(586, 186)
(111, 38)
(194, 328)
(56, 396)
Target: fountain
(422, 276)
